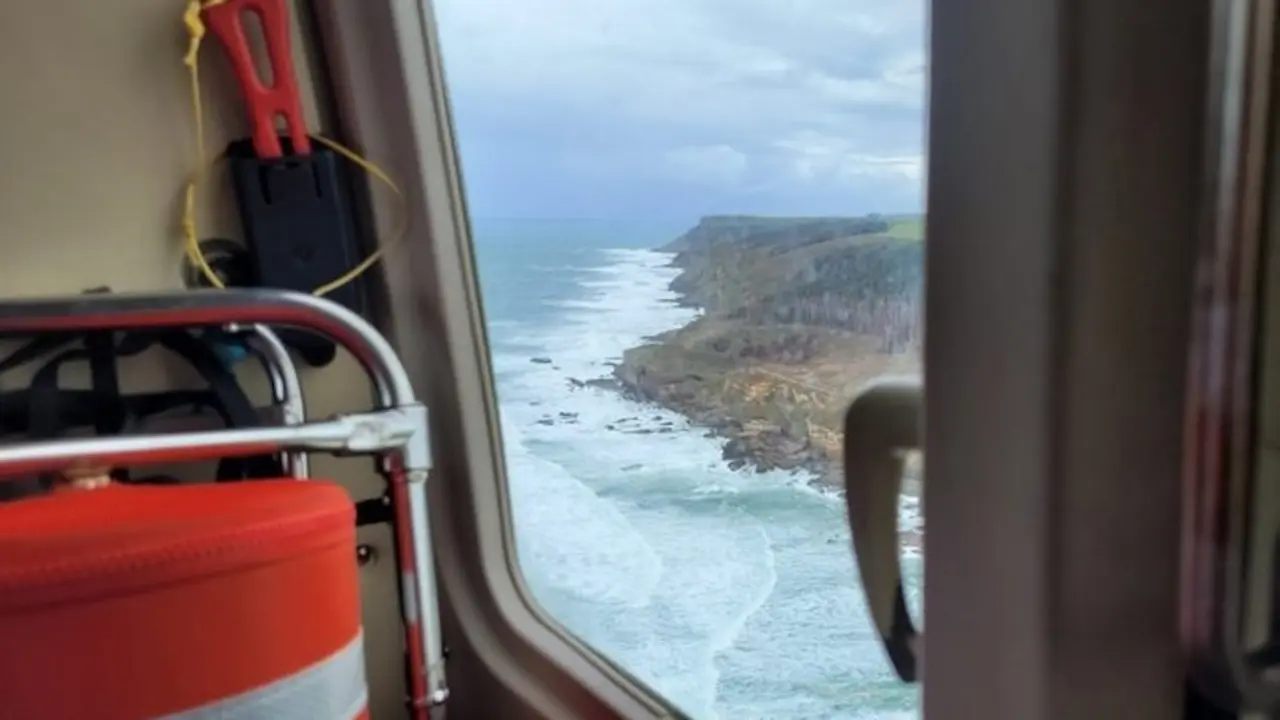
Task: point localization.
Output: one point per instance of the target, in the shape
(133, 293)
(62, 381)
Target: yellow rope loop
(397, 232)
(196, 31)
(191, 18)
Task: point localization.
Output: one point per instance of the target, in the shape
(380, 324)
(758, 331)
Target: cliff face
(799, 313)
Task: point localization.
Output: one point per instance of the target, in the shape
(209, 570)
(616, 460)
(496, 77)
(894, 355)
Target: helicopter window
(698, 231)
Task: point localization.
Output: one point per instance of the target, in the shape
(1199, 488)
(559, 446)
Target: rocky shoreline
(760, 445)
(797, 313)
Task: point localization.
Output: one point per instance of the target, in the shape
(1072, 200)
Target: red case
(134, 602)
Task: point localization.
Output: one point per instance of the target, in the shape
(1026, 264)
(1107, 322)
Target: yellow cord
(191, 239)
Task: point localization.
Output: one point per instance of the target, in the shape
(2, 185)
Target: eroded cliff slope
(798, 313)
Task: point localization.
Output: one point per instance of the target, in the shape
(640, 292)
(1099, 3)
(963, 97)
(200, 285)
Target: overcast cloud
(678, 108)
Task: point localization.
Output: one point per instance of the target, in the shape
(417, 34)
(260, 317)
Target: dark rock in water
(737, 464)
(567, 415)
(604, 384)
(576, 384)
(665, 430)
(667, 423)
(546, 421)
(629, 468)
(541, 360)
(735, 449)
(657, 417)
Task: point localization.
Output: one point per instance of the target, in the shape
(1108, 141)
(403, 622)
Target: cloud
(687, 106)
(717, 165)
(815, 156)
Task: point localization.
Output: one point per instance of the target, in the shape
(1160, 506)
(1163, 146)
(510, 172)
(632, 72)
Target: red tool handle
(263, 102)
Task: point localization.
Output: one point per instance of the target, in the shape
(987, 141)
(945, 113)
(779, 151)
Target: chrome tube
(286, 387)
(363, 433)
(195, 308)
(425, 581)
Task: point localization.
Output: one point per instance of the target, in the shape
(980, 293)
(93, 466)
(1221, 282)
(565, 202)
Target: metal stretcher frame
(396, 430)
(286, 387)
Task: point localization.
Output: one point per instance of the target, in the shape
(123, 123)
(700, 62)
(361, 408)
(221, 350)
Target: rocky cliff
(798, 313)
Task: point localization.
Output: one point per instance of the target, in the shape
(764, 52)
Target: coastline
(769, 365)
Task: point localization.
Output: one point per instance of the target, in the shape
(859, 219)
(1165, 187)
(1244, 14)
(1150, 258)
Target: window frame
(1041, 95)
(386, 72)
(1063, 313)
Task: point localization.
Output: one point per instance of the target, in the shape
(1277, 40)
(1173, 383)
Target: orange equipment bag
(231, 600)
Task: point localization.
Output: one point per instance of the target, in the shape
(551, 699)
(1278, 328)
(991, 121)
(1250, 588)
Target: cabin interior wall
(96, 140)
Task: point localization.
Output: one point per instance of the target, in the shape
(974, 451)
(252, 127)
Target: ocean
(732, 593)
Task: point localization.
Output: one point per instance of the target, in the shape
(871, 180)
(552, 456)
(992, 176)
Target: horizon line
(687, 218)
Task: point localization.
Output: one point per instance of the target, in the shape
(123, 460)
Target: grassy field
(902, 229)
(906, 227)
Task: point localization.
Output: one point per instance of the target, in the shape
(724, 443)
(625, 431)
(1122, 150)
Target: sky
(683, 108)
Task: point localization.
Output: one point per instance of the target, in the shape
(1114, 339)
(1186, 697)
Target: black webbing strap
(45, 404)
(105, 378)
(78, 408)
(100, 346)
(51, 410)
(231, 402)
(35, 349)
